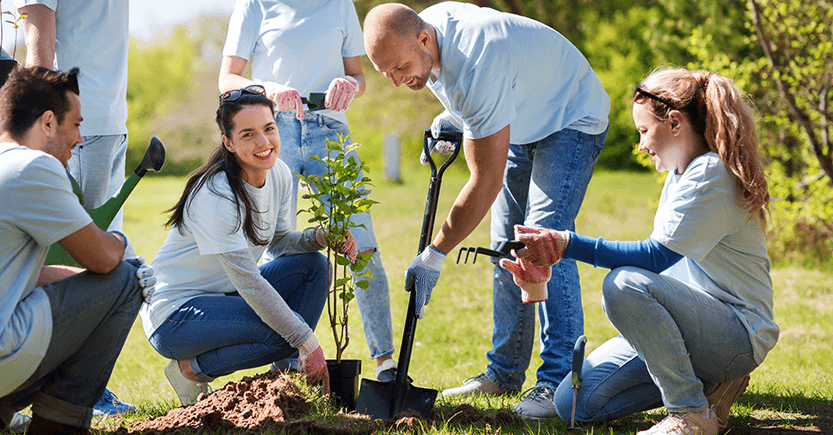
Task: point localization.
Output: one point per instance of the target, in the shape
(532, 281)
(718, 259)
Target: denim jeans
(91, 317)
(97, 165)
(222, 334)
(689, 339)
(301, 139)
(543, 185)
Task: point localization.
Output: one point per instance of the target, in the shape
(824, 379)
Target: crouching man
(61, 328)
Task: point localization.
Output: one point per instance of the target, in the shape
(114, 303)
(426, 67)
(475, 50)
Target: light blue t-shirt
(37, 209)
(296, 43)
(93, 35)
(499, 69)
(700, 217)
(184, 267)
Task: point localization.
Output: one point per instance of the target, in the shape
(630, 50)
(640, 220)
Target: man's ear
(48, 122)
(424, 39)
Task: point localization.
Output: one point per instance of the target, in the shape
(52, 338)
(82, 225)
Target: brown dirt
(274, 402)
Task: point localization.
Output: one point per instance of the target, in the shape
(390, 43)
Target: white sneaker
(692, 423)
(20, 422)
(479, 384)
(186, 389)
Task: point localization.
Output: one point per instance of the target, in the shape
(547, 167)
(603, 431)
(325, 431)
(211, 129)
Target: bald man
(532, 110)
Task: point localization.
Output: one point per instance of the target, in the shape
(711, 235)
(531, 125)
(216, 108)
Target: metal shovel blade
(377, 400)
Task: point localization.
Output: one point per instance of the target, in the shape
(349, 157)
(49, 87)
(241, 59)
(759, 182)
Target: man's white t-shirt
(297, 43)
(499, 69)
(700, 217)
(37, 209)
(184, 267)
(93, 35)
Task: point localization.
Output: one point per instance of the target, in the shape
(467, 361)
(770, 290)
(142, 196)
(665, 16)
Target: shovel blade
(377, 399)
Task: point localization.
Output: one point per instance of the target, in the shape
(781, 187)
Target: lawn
(790, 393)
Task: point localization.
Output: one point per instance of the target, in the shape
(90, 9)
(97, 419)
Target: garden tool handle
(578, 362)
(406, 348)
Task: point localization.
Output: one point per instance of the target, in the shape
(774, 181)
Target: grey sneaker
(20, 422)
(536, 403)
(722, 398)
(479, 384)
(387, 371)
(186, 389)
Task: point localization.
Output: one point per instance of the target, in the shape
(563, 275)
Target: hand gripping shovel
(103, 216)
(383, 400)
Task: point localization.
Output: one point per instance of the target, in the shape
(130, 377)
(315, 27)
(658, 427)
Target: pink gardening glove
(285, 98)
(347, 246)
(544, 247)
(313, 364)
(341, 92)
(531, 279)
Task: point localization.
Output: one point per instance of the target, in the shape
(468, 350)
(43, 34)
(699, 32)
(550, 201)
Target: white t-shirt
(37, 209)
(93, 35)
(184, 267)
(700, 217)
(499, 69)
(296, 43)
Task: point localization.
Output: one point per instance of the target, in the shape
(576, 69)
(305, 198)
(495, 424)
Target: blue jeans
(543, 185)
(222, 334)
(301, 139)
(91, 317)
(689, 339)
(97, 164)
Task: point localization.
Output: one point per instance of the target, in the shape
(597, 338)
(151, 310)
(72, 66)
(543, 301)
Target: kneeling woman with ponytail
(693, 302)
(214, 310)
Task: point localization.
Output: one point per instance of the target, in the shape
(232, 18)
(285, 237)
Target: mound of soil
(273, 402)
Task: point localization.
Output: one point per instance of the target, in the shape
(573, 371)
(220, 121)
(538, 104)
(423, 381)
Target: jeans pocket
(335, 125)
(741, 365)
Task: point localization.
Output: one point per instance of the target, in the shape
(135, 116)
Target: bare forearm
(50, 274)
(231, 74)
(468, 211)
(39, 29)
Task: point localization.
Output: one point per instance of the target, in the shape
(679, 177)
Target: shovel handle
(405, 349)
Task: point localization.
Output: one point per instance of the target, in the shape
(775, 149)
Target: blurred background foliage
(779, 51)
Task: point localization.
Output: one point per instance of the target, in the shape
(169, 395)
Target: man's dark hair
(31, 91)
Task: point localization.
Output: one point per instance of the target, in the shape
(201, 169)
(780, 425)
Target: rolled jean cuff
(62, 412)
(201, 375)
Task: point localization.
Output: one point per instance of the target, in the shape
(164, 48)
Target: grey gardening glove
(422, 275)
(445, 121)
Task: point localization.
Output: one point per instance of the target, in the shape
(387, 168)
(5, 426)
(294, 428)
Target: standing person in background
(93, 36)
(693, 303)
(298, 47)
(534, 118)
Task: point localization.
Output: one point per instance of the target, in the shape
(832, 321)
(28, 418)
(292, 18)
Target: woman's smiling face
(255, 142)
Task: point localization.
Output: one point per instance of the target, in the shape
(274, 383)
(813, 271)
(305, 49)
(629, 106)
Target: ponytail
(721, 114)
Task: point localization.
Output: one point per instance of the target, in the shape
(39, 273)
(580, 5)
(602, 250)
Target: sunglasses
(639, 91)
(235, 94)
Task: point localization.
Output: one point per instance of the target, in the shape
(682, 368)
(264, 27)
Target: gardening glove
(341, 92)
(443, 122)
(285, 98)
(346, 247)
(129, 250)
(530, 278)
(544, 247)
(145, 275)
(422, 275)
(313, 364)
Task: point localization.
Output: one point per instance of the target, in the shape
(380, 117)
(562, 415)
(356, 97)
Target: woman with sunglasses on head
(214, 310)
(693, 302)
(298, 48)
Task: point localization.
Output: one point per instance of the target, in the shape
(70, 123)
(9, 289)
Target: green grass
(791, 389)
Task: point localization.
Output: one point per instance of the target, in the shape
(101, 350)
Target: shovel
(383, 400)
(103, 216)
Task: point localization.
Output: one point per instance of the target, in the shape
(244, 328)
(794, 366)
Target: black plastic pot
(344, 381)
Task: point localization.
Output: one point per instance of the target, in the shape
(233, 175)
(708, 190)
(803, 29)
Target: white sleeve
(243, 28)
(243, 272)
(293, 243)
